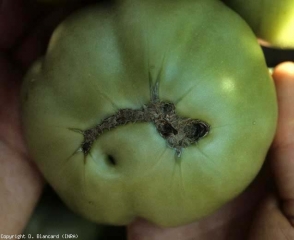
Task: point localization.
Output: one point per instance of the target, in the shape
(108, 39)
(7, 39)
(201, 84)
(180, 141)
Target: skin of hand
(25, 28)
(262, 212)
(20, 182)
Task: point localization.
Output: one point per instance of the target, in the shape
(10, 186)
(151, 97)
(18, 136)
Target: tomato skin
(271, 20)
(101, 59)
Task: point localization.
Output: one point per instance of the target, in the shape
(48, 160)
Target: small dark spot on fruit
(111, 160)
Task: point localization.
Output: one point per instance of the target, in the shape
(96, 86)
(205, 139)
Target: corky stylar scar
(179, 132)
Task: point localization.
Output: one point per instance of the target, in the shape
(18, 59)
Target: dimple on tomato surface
(204, 59)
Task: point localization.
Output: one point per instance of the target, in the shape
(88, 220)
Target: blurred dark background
(276, 56)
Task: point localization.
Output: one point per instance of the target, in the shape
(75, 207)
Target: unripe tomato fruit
(271, 20)
(196, 60)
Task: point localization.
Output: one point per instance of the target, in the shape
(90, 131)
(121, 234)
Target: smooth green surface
(207, 62)
(271, 20)
(52, 217)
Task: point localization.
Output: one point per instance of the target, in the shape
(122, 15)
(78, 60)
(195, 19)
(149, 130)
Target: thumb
(275, 220)
(282, 159)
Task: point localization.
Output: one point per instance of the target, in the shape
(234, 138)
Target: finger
(10, 126)
(270, 223)
(20, 181)
(282, 152)
(20, 188)
(143, 230)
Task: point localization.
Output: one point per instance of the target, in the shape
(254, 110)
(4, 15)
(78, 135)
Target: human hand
(259, 213)
(21, 183)
(25, 28)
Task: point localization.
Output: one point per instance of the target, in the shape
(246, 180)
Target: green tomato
(105, 62)
(271, 20)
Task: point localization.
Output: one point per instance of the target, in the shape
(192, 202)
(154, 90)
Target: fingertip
(282, 152)
(283, 75)
(284, 70)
